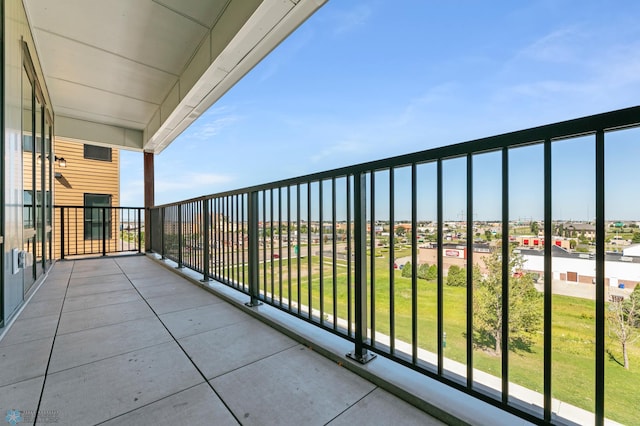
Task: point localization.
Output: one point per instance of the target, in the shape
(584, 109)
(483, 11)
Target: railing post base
(360, 354)
(362, 359)
(205, 279)
(253, 303)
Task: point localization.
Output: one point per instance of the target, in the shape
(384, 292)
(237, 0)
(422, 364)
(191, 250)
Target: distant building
(585, 229)
(632, 251)
(580, 267)
(454, 254)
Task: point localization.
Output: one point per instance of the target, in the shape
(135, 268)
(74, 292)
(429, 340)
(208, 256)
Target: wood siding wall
(83, 176)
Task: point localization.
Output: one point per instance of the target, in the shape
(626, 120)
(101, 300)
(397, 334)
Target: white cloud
(192, 182)
(562, 45)
(287, 53)
(211, 123)
(348, 20)
(432, 100)
(338, 149)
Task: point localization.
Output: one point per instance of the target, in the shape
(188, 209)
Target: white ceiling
(136, 73)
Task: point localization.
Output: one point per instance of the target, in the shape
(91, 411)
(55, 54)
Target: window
(92, 152)
(27, 215)
(27, 143)
(94, 213)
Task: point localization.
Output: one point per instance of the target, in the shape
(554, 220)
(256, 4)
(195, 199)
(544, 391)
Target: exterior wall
(82, 176)
(633, 250)
(531, 240)
(622, 272)
(430, 256)
(16, 30)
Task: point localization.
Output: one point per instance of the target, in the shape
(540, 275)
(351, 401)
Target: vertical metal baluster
(309, 263)
(206, 218)
(360, 353)
(470, 271)
(253, 218)
(349, 262)
(600, 278)
(280, 246)
(298, 219)
(321, 257)
(104, 230)
(162, 234)
(244, 240)
(272, 275)
(372, 252)
(414, 265)
(334, 252)
(236, 243)
(505, 275)
(548, 281)
(180, 246)
(215, 223)
(264, 242)
(440, 295)
(392, 278)
(229, 239)
(289, 245)
(62, 232)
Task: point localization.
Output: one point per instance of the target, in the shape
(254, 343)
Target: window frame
(88, 155)
(89, 232)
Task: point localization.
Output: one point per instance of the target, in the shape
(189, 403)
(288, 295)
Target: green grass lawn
(573, 341)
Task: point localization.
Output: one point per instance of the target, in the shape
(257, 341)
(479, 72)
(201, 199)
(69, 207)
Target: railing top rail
(608, 121)
(94, 207)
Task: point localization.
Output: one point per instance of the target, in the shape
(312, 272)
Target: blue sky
(365, 80)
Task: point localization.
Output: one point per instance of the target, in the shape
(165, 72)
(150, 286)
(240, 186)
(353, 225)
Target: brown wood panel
(83, 176)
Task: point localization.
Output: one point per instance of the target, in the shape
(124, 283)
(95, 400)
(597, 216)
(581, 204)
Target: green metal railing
(311, 246)
(91, 230)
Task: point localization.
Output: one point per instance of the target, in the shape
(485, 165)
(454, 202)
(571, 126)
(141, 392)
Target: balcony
(335, 262)
(345, 251)
(127, 341)
(460, 278)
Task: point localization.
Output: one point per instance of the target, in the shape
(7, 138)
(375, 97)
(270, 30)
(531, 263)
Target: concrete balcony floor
(127, 341)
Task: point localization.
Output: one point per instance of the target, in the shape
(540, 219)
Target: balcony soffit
(151, 66)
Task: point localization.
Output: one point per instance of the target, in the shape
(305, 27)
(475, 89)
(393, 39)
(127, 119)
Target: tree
(488, 235)
(583, 239)
(432, 273)
(406, 270)
(423, 271)
(525, 304)
(400, 230)
(573, 244)
(636, 238)
(535, 227)
(624, 321)
(457, 276)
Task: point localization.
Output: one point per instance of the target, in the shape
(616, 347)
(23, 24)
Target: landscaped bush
(457, 276)
(406, 270)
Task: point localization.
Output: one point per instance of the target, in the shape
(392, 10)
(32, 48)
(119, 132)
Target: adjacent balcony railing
(346, 250)
(91, 230)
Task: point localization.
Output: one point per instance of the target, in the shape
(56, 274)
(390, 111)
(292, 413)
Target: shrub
(406, 270)
(423, 271)
(457, 276)
(432, 273)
